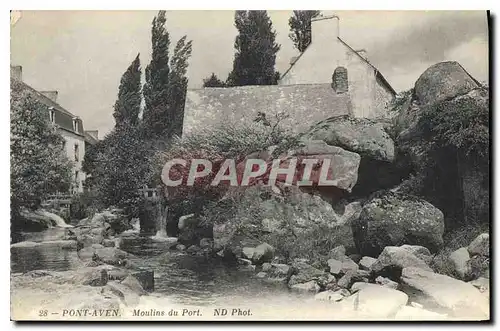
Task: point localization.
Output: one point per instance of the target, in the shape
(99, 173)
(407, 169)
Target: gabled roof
(63, 118)
(377, 72)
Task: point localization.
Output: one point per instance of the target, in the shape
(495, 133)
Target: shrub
(218, 144)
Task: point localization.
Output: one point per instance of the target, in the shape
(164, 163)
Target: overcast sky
(83, 54)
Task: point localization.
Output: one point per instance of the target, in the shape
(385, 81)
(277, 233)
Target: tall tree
(157, 78)
(300, 27)
(256, 49)
(166, 82)
(213, 81)
(178, 85)
(128, 105)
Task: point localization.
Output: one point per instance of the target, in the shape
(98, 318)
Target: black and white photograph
(250, 165)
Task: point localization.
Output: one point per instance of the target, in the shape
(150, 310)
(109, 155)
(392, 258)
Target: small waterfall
(161, 223)
(56, 219)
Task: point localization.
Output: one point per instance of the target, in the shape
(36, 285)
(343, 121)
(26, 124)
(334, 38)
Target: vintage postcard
(250, 165)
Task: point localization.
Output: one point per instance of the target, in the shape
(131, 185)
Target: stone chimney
(52, 95)
(16, 72)
(93, 133)
(324, 28)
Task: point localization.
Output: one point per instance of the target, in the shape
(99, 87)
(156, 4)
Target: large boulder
(480, 245)
(302, 272)
(370, 140)
(459, 259)
(393, 219)
(393, 260)
(360, 135)
(447, 91)
(263, 253)
(375, 301)
(443, 81)
(258, 214)
(445, 294)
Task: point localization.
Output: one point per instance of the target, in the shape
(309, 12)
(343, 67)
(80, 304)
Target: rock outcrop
(393, 219)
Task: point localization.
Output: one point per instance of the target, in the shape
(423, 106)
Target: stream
(182, 278)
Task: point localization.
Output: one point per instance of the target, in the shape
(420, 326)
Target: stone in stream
(206, 243)
(329, 296)
(375, 301)
(247, 252)
(460, 261)
(309, 287)
(117, 274)
(125, 293)
(96, 277)
(132, 283)
(366, 262)
(337, 253)
(263, 253)
(108, 243)
(393, 259)
(386, 282)
(146, 279)
(480, 245)
(454, 296)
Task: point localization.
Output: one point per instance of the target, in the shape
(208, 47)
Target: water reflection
(186, 279)
(48, 257)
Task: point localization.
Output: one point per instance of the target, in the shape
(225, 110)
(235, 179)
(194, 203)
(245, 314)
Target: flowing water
(183, 278)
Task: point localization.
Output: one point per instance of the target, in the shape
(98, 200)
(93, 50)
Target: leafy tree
(119, 166)
(128, 105)
(166, 82)
(256, 50)
(213, 81)
(300, 27)
(39, 166)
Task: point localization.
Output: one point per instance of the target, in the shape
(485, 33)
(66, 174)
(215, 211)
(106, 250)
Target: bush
(218, 144)
(84, 205)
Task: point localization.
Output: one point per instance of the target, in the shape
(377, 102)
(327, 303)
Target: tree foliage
(119, 165)
(128, 105)
(256, 50)
(166, 82)
(300, 27)
(39, 166)
(213, 81)
(178, 86)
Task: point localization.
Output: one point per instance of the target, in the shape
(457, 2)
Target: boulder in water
(454, 296)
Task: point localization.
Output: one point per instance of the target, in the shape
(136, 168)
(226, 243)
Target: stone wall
(305, 105)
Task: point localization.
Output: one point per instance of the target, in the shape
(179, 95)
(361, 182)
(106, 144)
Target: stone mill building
(329, 78)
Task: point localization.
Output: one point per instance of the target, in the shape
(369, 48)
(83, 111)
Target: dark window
(77, 152)
(340, 83)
